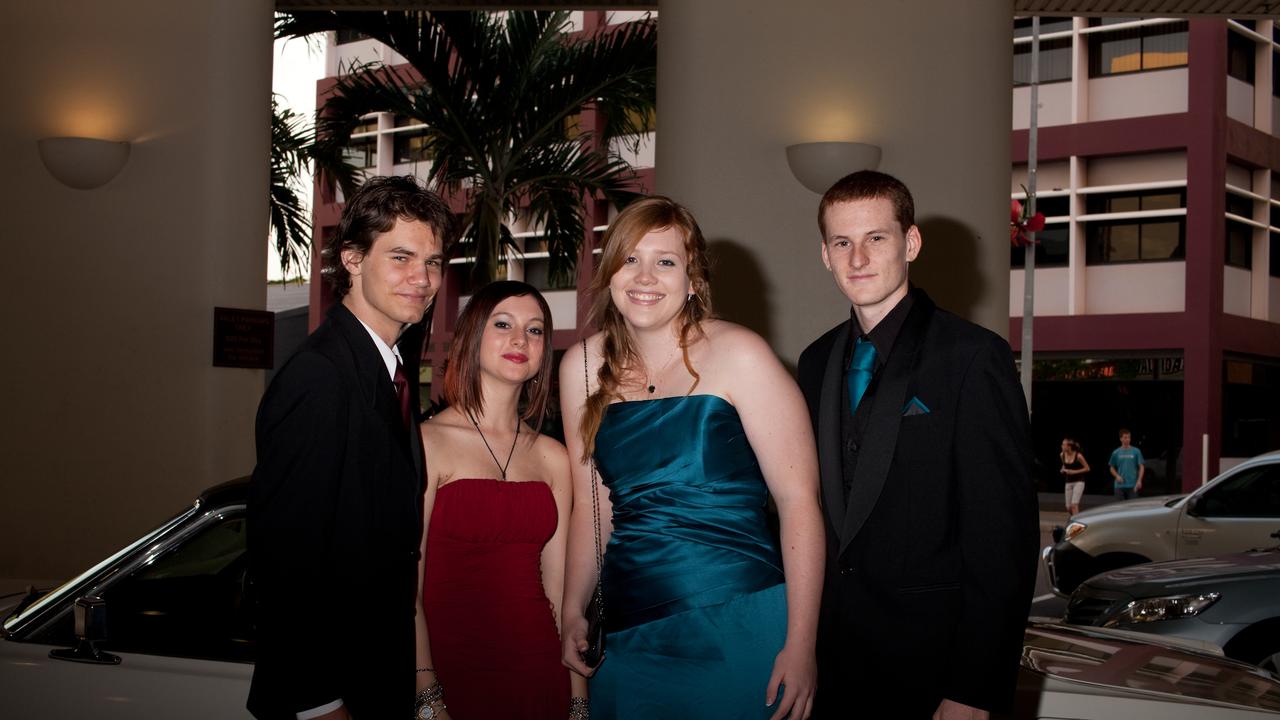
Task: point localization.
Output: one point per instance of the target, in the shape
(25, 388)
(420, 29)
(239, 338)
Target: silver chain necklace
(501, 468)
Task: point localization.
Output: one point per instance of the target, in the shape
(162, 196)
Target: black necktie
(401, 381)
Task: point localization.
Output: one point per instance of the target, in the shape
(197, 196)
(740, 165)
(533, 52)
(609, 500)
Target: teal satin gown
(695, 603)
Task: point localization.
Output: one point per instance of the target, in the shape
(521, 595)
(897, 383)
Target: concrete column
(114, 417)
(927, 80)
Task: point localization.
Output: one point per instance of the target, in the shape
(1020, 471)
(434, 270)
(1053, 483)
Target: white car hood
(1128, 507)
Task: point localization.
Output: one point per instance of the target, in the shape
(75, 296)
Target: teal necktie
(861, 368)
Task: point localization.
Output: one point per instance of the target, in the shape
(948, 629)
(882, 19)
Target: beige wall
(113, 415)
(927, 80)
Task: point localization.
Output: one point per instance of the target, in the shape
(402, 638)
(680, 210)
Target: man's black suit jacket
(334, 523)
(931, 561)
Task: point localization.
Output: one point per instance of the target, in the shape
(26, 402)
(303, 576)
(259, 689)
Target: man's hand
(952, 710)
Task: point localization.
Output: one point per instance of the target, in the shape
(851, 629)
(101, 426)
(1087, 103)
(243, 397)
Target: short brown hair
(869, 185)
(462, 371)
(374, 209)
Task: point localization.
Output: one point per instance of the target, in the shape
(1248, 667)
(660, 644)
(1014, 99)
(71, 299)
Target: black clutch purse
(595, 630)
(594, 653)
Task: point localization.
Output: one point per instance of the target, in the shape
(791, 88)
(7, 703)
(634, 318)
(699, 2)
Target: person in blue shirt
(1127, 467)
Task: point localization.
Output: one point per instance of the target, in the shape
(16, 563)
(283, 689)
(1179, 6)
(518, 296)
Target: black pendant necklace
(652, 387)
(501, 467)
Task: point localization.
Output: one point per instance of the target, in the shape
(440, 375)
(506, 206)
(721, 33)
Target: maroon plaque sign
(243, 338)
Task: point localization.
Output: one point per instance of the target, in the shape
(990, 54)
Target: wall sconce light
(83, 163)
(818, 165)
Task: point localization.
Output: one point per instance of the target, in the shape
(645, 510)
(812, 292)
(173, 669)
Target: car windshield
(1097, 658)
(75, 582)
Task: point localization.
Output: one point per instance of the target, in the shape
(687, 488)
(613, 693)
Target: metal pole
(1029, 264)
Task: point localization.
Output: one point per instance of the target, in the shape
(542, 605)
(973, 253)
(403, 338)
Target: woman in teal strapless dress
(692, 423)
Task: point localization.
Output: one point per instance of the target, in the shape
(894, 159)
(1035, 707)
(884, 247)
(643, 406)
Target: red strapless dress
(493, 631)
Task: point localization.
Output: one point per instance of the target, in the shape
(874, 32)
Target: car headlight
(1171, 607)
(1073, 529)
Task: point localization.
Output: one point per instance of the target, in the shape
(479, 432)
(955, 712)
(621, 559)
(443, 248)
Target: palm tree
(289, 227)
(497, 94)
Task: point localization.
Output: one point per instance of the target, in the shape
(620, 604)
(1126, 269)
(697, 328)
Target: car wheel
(1271, 663)
(1258, 644)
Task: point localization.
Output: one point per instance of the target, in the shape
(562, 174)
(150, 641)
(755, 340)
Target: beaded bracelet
(579, 709)
(422, 705)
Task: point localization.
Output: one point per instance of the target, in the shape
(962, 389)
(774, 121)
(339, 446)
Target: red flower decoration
(1020, 224)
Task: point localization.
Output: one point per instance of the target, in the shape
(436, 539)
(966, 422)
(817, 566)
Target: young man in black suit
(925, 459)
(335, 503)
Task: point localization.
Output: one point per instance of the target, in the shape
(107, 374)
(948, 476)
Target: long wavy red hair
(622, 362)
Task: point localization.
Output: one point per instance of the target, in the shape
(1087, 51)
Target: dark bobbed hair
(650, 214)
(869, 185)
(1072, 443)
(462, 372)
(374, 209)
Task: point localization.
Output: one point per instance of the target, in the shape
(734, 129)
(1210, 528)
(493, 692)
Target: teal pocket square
(914, 407)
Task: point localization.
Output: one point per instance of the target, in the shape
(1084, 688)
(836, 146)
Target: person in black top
(1074, 470)
(925, 460)
(335, 503)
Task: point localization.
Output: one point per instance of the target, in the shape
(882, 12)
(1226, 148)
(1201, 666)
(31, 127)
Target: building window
(537, 272)
(1239, 250)
(1275, 72)
(573, 126)
(361, 152)
(1022, 26)
(1136, 49)
(347, 35)
(1239, 247)
(1055, 206)
(1240, 57)
(1135, 239)
(1250, 394)
(1053, 243)
(1053, 248)
(649, 121)
(411, 147)
(1135, 201)
(1055, 61)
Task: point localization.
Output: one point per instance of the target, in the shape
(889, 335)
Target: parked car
(177, 640)
(1097, 673)
(1234, 512)
(1229, 601)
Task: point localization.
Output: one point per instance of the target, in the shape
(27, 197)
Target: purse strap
(595, 498)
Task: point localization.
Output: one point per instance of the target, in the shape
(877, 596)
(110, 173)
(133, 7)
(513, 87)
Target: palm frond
(289, 228)
(496, 93)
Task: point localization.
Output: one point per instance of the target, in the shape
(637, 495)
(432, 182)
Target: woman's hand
(573, 644)
(797, 671)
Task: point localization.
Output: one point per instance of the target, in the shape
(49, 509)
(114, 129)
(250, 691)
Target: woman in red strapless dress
(496, 500)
